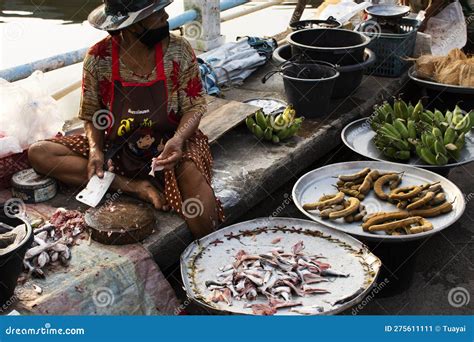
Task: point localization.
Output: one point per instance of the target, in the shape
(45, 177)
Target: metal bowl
(388, 11)
(358, 136)
(439, 86)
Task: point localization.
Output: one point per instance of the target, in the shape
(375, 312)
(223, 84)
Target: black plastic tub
(11, 264)
(336, 46)
(314, 23)
(350, 75)
(308, 87)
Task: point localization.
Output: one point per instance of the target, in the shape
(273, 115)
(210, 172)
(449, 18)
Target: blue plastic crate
(392, 49)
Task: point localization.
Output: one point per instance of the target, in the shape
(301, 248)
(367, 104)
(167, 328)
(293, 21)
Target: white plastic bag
(343, 11)
(27, 114)
(447, 30)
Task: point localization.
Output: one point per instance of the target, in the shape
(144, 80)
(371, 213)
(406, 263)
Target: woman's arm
(96, 146)
(90, 104)
(192, 106)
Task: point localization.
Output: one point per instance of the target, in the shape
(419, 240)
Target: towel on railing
(231, 63)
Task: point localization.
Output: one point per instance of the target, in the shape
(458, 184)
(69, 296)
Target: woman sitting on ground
(142, 98)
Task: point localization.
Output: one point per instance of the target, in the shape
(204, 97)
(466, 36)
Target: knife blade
(96, 189)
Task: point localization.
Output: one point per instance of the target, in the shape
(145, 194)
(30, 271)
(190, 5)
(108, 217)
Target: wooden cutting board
(120, 222)
(223, 115)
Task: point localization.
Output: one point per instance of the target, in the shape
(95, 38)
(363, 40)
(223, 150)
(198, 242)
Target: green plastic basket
(392, 49)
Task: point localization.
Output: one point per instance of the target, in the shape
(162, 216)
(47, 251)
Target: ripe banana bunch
(274, 128)
(403, 129)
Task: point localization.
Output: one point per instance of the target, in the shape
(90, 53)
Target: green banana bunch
(403, 130)
(274, 128)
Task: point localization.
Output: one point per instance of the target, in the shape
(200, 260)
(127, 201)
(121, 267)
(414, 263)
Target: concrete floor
(432, 267)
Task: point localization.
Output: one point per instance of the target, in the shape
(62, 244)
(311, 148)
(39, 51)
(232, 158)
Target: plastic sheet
(102, 280)
(27, 114)
(447, 30)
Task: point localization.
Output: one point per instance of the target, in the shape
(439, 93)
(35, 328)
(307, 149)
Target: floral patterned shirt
(185, 91)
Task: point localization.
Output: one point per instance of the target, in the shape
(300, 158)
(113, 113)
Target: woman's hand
(171, 155)
(96, 164)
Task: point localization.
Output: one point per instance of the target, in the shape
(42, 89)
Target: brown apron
(141, 125)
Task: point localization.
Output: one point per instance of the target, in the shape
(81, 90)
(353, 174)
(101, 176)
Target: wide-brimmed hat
(117, 14)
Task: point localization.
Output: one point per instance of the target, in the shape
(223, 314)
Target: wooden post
(298, 12)
(204, 33)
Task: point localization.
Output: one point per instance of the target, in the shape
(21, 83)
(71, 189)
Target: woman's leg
(197, 194)
(58, 161)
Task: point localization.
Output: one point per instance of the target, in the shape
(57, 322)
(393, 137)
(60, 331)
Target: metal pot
(336, 46)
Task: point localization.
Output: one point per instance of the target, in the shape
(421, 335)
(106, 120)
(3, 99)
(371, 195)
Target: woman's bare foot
(145, 191)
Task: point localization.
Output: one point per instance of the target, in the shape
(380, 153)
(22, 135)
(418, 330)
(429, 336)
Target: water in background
(35, 29)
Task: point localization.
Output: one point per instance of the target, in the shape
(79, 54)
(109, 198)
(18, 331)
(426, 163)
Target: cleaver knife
(96, 189)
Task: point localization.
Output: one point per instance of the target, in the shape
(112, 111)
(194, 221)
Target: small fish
(310, 290)
(43, 236)
(32, 252)
(43, 259)
(279, 289)
(213, 282)
(308, 310)
(298, 291)
(285, 295)
(240, 285)
(215, 287)
(331, 273)
(255, 280)
(315, 280)
(63, 260)
(54, 256)
(276, 275)
(283, 304)
(298, 247)
(270, 282)
(227, 294)
(233, 290)
(252, 294)
(226, 268)
(267, 276)
(225, 273)
(48, 227)
(217, 296)
(276, 240)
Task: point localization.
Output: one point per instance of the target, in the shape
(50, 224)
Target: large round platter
(202, 259)
(321, 181)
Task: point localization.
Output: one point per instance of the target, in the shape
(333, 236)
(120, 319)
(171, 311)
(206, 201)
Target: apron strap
(115, 59)
(160, 69)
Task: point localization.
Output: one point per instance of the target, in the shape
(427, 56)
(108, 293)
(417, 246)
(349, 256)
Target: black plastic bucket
(336, 46)
(11, 264)
(350, 75)
(308, 87)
